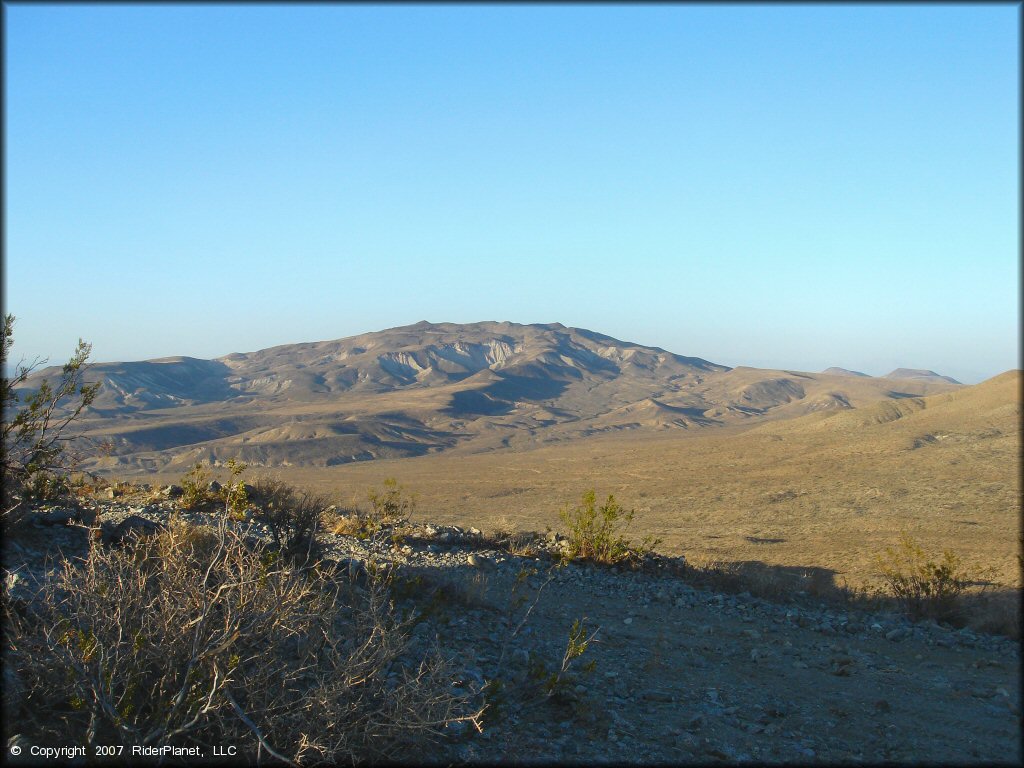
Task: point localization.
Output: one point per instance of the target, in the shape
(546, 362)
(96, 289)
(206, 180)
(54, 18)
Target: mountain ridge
(431, 387)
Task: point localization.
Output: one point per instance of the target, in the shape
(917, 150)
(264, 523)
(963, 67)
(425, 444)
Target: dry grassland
(827, 491)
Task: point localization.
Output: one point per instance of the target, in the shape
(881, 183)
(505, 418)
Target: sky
(778, 186)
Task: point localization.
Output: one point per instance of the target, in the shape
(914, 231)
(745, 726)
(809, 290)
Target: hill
(428, 388)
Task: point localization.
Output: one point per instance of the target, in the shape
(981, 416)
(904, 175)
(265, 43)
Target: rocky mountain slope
(426, 388)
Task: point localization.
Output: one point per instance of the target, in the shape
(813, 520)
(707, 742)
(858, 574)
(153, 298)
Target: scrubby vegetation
(205, 638)
(926, 587)
(195, 488)
(597, 533)
(34, 462)
(293, 516)
(390, 507)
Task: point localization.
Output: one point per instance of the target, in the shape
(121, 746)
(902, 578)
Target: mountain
(427, 388)
(919, 374)
(834, 371)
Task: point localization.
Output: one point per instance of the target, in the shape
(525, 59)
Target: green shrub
(236, 499)
(195, 488)
(596, 533)
(390, 506)
(558, 682)
(33, 440)
(924, 588)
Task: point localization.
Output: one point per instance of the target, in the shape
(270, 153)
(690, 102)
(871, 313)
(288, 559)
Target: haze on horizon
(791, 187)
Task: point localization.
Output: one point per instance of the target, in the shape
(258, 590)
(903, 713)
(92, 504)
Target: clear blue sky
(777, 186)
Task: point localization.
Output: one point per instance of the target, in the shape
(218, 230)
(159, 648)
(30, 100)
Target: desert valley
(497, 421)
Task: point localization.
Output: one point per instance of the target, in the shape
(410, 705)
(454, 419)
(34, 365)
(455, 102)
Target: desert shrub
(517, 543)
(390, 506)
(923, 587)
(187, 639)
(46, 486)
(596, 533)
(558, 681)
(293, 516)
(33, 434)
(236, 499)
(526, 677)
(195, 488)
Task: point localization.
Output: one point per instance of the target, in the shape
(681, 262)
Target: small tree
(32, 455)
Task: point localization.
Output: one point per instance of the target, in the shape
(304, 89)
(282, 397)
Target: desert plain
(502, 425)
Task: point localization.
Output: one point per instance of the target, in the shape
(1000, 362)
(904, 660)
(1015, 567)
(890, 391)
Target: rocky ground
(681, 674)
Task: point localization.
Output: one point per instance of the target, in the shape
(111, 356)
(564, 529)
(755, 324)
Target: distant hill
(918, 373)
(834, 371)
(433, 387)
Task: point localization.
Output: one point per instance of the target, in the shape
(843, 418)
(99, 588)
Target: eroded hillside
(429, 388)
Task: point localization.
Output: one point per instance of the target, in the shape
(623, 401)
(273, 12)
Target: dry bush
(521, 545)
(517, 543)
(346, 525)
(923, 587)
(293, 516)
(164, 642)
(388, 507)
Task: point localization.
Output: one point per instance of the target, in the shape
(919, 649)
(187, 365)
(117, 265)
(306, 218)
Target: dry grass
(345, 525)
(824, 491)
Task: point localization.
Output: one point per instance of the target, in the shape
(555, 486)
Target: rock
(214, 487)
(481, 562)
(895, 635)
(655, 695)
(757, 655)
(172, 491)
(61, 516)
(628, 620)
(131, 526)
(753, 634)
